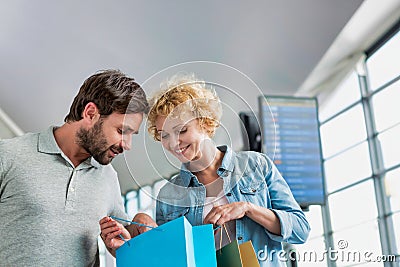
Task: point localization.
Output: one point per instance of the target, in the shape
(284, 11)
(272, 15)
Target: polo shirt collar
(47, 144)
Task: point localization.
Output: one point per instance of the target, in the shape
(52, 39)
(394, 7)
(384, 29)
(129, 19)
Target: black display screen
(290, 137)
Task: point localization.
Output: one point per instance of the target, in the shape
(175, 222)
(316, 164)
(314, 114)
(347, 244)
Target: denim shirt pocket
(254, 191)
(176, 213)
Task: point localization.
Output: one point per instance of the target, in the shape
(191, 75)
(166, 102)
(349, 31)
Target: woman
(242, 191)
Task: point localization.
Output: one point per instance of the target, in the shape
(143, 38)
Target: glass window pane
(146, 198)
(150, 211)
(396, 223)
(132, 207)
(384, 65)
(392, 184)
(157, 186)
(352, 244)
(314, 217)
(353, 206)
(311, 253)
(348, 167)
(343, 131)
(343, 96)
(390, 146)
(386, 106)
(131, 194)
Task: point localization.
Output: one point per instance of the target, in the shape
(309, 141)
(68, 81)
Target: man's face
(109, 136)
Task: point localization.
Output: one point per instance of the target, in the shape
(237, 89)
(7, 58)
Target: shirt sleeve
(294, 225)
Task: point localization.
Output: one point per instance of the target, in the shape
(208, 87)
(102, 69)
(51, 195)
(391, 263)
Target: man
(56, 185)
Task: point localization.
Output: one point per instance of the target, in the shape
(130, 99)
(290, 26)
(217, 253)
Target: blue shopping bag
(174, 244)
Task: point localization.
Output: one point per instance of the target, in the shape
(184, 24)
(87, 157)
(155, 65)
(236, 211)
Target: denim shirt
(248, 176)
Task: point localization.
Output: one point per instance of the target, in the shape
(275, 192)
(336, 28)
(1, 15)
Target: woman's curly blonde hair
(185, 96)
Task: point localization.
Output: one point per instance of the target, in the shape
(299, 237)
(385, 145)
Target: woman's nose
(127, 142)
(174, 142)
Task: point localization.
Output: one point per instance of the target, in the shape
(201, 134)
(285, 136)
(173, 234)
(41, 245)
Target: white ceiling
(47, 49)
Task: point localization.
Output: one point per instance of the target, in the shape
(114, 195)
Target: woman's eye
(183, 130)
(164, 136)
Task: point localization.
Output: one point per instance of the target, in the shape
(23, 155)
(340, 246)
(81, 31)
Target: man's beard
(95, 143)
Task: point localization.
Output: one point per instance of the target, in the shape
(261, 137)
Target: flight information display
(290, 137)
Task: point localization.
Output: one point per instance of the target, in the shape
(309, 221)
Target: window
(157, 186)
(396, 222)
(352, 245)
(314, 217)
(384, 65)
(346, 94)
(390, 146)
(343, 131)
(146, 200)
(131, 204)
(353, 206)
(386, 105)
(346, 151)
(392, 184)
(311, 253)
(348, 167)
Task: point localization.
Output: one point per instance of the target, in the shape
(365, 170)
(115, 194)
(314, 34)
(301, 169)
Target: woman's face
(183, 139)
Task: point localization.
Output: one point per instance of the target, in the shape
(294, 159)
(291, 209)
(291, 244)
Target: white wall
(8, 128)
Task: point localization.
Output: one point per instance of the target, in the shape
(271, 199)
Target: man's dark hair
(111, 91)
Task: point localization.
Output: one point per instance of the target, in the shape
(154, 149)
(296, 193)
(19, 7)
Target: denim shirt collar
(226, 168)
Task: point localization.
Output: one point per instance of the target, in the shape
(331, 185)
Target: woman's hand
(219, 215)
(111, 231)
(236, 210)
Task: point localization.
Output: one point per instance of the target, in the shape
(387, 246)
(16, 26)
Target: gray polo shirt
(49, 210)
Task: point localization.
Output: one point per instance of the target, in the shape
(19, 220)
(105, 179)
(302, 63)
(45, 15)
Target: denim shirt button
(240, 237)
(229, 194)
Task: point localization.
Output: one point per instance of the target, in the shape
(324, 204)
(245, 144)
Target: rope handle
(140, 224)
(227, 234)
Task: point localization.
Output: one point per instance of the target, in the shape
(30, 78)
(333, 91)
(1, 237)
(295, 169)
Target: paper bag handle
(227, 234)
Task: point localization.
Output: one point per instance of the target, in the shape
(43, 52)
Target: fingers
(217, 216)
(104, 220)
(108, 225)
(111, 231)
(225, 213)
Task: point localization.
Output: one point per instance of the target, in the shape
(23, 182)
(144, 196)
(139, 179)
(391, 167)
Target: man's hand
(111, 231)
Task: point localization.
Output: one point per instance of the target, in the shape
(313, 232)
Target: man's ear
(91, 113)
